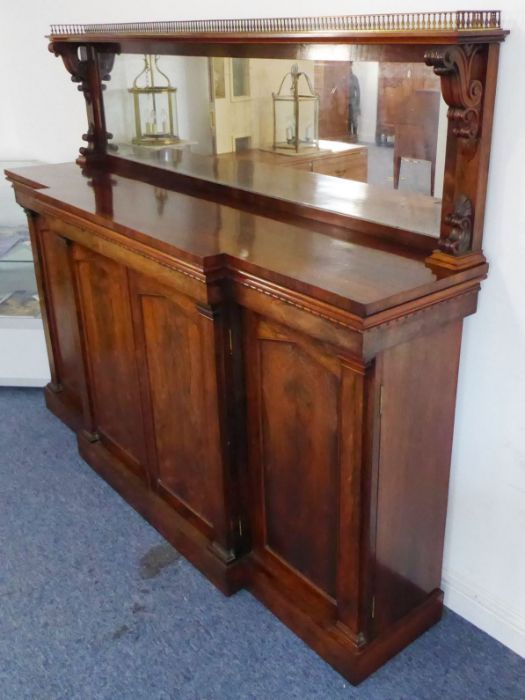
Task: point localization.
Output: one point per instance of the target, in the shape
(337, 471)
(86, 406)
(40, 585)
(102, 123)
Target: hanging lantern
(155, 106)
(296, 113)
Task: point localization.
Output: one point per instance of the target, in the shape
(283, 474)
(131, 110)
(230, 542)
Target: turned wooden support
(468, 79)
(89, 66)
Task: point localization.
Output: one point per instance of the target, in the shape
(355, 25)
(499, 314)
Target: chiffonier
(262, 359)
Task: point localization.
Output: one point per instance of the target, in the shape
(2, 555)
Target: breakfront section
(349, 437)
(139, 369)
(256, 346)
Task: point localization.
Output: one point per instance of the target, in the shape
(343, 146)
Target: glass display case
(18, 289)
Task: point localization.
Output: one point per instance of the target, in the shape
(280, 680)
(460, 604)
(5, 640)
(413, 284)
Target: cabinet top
(340, 267)
(428, 27)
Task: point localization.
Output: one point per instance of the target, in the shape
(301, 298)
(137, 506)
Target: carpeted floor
(94, 604)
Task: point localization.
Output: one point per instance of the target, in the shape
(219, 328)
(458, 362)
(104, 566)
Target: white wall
(485, 550)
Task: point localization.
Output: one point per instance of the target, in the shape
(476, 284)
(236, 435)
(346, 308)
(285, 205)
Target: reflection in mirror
(240, 70)
(154, 106)
(279, 127)
(217, 78)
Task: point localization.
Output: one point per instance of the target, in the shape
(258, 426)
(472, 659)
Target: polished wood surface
(357, 277)
(365, 206)
(252, 388)
(413, 478)
(108, 339)
(271, 380)
(335, 158)
(293, 391)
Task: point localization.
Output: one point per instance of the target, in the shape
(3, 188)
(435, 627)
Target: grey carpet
(94, 604)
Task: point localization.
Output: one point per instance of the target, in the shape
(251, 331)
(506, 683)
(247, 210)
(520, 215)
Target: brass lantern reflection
(155, 106)
(295, 113)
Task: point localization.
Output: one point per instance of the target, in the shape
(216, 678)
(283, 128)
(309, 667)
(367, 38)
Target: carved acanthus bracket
(463, 93)
(459, 240)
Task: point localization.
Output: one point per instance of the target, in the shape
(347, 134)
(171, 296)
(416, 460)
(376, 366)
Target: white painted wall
(485, 551)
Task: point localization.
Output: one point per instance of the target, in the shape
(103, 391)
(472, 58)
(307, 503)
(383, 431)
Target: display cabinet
(262, 356)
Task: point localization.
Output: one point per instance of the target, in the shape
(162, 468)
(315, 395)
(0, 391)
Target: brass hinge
(373, 611)
(230, 340)
(240, 527)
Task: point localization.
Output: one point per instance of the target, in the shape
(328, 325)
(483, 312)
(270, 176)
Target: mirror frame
(462, 48)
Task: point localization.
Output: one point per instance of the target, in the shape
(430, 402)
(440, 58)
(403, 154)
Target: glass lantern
(155, 106)
(295, 113)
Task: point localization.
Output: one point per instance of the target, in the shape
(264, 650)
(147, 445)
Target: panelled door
(154, 358)
(54, 258)
(179, 348)
(306, 416)
(115, 399)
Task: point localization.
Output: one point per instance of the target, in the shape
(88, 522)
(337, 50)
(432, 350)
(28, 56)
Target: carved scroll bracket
(461, 91)
(89, 66)
(459, 240)
(77, 57)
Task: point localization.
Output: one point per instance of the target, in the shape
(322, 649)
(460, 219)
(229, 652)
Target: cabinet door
(56, 285)
(103, 292)
(305, 407)
(179, 349)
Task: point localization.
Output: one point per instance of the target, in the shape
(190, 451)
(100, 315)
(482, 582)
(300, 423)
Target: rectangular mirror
(362, 138)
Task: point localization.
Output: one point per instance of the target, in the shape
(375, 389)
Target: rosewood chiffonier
(262, 359)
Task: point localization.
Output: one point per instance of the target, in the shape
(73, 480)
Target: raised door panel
(294, 390)
(62, 314)
(111, 359)
(176, 344)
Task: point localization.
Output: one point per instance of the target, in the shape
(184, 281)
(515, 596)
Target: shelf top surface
(254, 172)
(363, 277)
